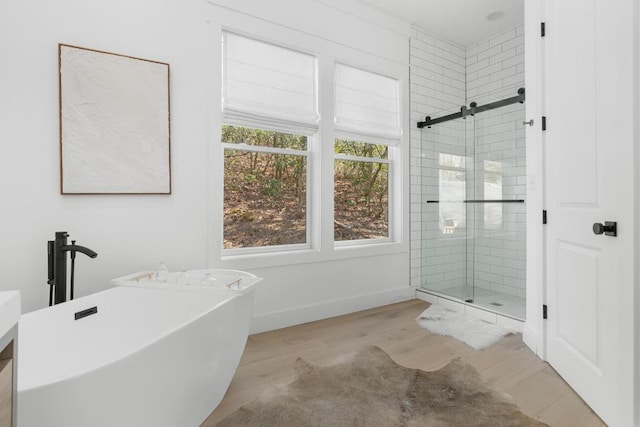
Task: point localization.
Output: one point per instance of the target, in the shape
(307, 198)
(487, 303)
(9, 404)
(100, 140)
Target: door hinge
(542, 29)
(544, 216)
(544, 311)
(544, 122)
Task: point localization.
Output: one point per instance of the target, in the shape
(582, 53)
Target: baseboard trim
(530, 338)
(311, 313)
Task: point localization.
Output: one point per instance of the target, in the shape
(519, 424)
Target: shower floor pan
(489, 305)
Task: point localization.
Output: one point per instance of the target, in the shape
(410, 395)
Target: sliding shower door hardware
(473, 109)
(484, 201)
(544, 217)
(544, 311)
(542, 29)
(494, 201)
(544, 122)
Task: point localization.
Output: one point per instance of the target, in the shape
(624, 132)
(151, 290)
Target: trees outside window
(265, 188)
(361, 190)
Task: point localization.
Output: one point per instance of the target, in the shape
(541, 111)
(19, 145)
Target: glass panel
(499, 257)
(361, 149)
(451, 194)
(492, 189)
(264, 199)
(262, 138)
(361, 200)
(444, 216)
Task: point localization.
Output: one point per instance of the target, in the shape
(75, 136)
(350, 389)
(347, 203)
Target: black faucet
(58, 266)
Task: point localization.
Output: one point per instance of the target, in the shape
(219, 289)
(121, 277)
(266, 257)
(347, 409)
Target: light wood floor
(509, 365)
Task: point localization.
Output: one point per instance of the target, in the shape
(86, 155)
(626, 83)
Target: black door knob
(609, 228)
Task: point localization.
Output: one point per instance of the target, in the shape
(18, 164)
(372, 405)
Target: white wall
(129, 233)
(132, 233)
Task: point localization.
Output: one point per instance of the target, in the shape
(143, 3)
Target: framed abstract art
(114, 123)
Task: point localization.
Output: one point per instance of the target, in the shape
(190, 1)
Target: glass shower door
(444, 215)
(496, 251)
(473, 217)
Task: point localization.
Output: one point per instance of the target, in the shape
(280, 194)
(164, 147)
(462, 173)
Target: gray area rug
(369, 389)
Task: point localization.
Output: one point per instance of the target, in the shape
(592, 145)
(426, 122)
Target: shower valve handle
(609, 228)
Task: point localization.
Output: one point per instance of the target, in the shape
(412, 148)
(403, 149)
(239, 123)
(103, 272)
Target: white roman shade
(366, 103)
(265, 82)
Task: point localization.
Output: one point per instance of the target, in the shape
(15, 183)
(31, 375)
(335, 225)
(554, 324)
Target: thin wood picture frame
(115, 126)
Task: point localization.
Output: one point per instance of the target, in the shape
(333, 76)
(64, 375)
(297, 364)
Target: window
(361, 190)
(277, 180)
(452, 193)
(367, 115)
(265, 188)
(269, 119)
(492, 191)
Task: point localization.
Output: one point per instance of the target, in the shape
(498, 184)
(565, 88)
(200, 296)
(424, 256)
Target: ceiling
(464, 22)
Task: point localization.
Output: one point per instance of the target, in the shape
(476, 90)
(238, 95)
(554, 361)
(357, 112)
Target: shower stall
(473, 206)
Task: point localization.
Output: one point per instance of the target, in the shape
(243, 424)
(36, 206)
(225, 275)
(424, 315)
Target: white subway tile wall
(438, 86)
(447, 238)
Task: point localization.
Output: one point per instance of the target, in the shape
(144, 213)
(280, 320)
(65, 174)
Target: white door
(588, 55)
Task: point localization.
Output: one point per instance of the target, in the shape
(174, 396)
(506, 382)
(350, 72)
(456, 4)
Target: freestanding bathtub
(150, 356)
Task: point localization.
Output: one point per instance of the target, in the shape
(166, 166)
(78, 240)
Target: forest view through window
(361, 190)
(265, 188)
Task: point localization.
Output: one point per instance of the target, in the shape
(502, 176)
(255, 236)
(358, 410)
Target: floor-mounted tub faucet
(57, 260)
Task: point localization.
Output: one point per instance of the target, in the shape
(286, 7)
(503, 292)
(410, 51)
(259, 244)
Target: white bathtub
(222, 280)
(148, 357)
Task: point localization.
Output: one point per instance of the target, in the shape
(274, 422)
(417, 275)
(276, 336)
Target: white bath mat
(474, 332)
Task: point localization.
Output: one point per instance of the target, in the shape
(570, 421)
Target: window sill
(306, 256)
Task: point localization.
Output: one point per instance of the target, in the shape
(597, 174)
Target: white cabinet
(9, 316)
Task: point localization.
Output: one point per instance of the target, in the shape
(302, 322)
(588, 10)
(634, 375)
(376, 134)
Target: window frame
(390, 173)
(394, 139)
(261, 121)
(307, 154)
(321, 162)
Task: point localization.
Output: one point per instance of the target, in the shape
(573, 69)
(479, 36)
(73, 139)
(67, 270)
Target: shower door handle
(609, 228)
(530, 123)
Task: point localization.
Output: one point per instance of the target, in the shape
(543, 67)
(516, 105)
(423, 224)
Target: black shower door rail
(472, 110)
(481, 201)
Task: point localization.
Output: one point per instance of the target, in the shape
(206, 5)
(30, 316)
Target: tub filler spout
(77, 248)
(57, 250)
